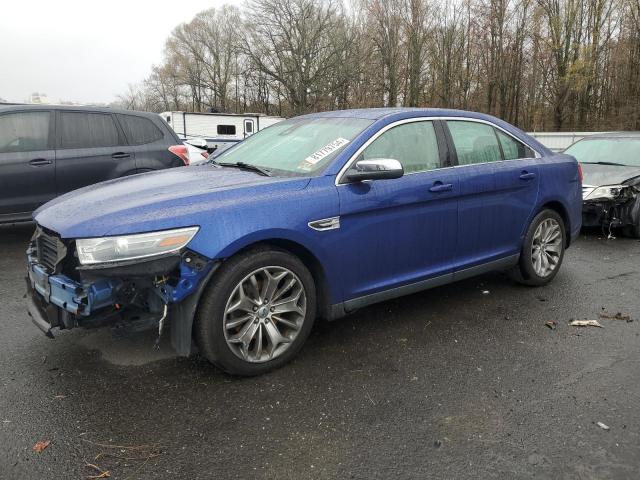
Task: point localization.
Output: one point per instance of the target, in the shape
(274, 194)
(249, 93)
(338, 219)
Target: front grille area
(49, 250)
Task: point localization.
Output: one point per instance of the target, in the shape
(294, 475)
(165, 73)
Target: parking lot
(463, 381)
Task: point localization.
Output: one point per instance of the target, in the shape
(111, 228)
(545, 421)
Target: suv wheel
(632, 231)
(543, 250)
(257, 312)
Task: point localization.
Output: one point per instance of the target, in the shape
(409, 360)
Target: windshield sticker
(324, 152)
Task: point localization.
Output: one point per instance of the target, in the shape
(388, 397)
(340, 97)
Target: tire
(235, 329)
(632, 231)
(528, 271)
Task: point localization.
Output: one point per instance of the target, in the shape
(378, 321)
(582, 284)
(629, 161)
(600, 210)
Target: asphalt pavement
(461, 382)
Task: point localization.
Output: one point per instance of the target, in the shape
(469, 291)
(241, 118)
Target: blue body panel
(392, 232)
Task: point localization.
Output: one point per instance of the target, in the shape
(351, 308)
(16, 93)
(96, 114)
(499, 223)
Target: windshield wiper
(607, 163)
(245, 166)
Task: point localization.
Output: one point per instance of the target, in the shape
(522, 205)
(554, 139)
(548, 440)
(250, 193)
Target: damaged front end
(611, 206)
(130, 295)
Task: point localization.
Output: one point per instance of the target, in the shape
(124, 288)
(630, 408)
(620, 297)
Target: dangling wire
(161, 326)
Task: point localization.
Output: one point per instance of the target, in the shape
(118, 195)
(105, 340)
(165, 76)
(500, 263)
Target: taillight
(205, 154)
(580, 174)
(181, 151)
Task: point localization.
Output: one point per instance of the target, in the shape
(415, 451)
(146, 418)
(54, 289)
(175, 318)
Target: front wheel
(257, 312)
(542, 251)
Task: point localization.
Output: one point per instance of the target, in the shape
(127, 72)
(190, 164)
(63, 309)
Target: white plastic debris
(585, 323)
(603, 426)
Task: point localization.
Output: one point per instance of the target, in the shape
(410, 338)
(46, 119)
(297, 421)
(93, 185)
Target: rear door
(497, 191)
(149, 142)
(27, 162)
(91, 148)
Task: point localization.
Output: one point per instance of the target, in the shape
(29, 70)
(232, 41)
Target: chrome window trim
(353, 157)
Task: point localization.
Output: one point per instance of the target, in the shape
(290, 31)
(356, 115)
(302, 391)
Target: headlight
(608, 191)
(131, 247)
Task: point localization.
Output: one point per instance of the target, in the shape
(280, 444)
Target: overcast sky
(85, 50)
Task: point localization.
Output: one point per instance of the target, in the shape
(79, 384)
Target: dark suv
(46, 151)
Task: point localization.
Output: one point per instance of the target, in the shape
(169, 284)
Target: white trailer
(221, 130)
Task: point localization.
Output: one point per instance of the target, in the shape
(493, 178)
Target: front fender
(281, 215)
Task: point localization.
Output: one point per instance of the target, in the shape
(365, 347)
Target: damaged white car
(611, 186)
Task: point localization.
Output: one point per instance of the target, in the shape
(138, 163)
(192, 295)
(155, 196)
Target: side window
(24, 132)
(226, 129)
(474, 142)
(87, 130)
(512, 148)
(413, 144)
(139, 130)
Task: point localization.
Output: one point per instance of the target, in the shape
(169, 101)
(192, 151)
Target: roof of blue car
(387, 115)
(378, 113)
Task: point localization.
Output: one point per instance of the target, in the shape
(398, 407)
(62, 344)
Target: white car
(198, 150)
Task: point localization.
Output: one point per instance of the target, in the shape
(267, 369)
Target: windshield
(623, 151)
(296, 147)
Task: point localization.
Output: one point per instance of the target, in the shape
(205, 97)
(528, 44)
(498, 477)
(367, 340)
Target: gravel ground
(463, 381)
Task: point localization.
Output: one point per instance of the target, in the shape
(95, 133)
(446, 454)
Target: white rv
(221, 130)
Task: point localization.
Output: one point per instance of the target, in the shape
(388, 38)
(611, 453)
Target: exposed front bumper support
(39, 316)
(129, 297)
(611, 213)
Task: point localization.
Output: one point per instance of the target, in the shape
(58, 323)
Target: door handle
(441, 187)
(527, 175)
(39, 162)
(121, 155)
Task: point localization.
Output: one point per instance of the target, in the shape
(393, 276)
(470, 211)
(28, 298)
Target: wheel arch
(184, 313)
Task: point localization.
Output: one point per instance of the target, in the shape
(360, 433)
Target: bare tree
(290, 41)
(561, 64)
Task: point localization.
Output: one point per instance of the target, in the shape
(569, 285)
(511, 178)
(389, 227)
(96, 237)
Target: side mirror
(198, 142)
(375, 169)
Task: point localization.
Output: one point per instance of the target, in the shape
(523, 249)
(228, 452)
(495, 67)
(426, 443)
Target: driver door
(399, 232)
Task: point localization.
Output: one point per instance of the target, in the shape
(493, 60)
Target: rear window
(139, 130)
(474, 142)
(87, 130)
(24, 132)
(512, 148)
(226, 129)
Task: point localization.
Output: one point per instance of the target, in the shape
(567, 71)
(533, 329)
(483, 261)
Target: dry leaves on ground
(41, 445)
(617, 316)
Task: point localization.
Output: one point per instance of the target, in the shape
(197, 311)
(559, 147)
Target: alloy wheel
(264, 314)
(546, 248)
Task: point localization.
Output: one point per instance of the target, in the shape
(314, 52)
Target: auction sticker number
(324, 152)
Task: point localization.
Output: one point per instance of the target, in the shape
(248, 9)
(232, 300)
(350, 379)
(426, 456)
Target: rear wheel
(257, 312)
(542, 251)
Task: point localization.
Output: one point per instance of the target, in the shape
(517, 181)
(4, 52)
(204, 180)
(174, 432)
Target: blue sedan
(314, 217)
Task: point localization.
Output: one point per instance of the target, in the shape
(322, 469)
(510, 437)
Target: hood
(172, 198)
(598, 175)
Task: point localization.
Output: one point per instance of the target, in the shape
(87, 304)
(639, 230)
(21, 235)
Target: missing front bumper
(129, 298)
(611, 213)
